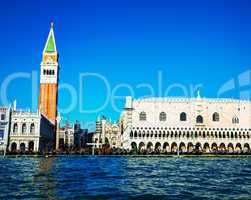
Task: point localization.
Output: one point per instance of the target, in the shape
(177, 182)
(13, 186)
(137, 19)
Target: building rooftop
(186, 99)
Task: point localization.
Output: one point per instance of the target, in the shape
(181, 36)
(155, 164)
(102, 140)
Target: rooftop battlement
(193, 99)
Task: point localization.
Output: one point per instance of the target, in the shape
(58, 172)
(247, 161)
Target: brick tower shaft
(48, 98)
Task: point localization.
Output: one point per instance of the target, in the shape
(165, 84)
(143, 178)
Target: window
(235, 120)
(199, 119)
(50, 72)
(15, 128)
(47, 72)
(216, 117)
(1, 134)
(32, 128)
(183, 116)
(24, 128)
(162, 116)
(2, 116)
(142, 116)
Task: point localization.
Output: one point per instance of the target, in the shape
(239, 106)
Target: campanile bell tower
(48, 98)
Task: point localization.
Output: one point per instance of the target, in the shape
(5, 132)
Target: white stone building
(186, 125)
(5, 114)
(30, 131)
(107, 132)
(66, 136)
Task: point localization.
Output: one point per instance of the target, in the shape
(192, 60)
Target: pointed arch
(131, 134)
(31, 146)
(140, 135)
(230, 148)
(166, 147)
(238, 148)
(222, 147)
(190, 147)
(157, 146)
(174, 147)
(246, 148)
(32, 128)
(15, 128)
(13, 147)
(22, 147)
(141, 146)
(198, 147)
(135, 134)
(214, 148)
(150, 145)
(134, 146)
(206, 148)
(24, 128)
(182, 147)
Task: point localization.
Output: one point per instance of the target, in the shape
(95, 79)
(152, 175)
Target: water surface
(77, 177)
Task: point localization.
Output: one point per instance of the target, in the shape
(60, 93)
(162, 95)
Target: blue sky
(191, 42)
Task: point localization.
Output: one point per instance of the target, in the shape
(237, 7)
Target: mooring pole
(4, 151)
(93, 150)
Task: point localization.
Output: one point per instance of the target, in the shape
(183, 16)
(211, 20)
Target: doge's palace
(185, 125)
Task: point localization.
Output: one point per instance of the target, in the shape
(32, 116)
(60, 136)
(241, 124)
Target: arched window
(216, 117)
(162, 116)
(199, 119)
(22, 147)
(31, 146)
(235, 120)
(183, 116)
(135, 134)
(131, 134)
(2, 116)
(24, 128)
(13, 146)
(15, 128)
(32, 128)
(142, 116)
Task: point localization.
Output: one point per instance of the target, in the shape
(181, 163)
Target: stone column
(36, 145)
(57, 131)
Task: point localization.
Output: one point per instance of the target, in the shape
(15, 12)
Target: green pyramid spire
(50, 44)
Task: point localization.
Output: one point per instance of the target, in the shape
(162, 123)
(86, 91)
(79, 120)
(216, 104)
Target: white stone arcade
(187, 125)
(30, 131)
